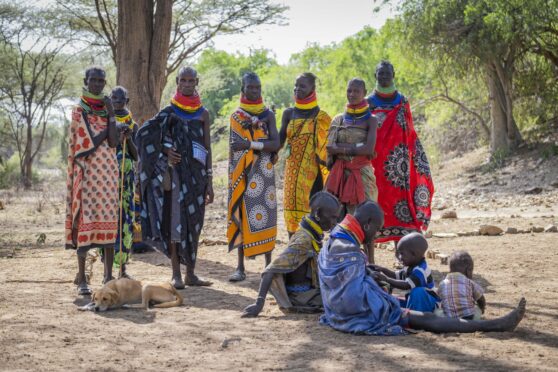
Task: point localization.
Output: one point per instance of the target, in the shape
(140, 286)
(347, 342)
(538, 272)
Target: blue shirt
(417, 276)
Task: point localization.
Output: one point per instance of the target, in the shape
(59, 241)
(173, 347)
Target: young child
(461, 297)
(415, 276)
(127, 128)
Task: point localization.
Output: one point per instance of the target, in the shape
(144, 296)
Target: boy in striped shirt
(415, 277)
(461, 297)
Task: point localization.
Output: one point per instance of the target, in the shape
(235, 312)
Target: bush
(9, 174)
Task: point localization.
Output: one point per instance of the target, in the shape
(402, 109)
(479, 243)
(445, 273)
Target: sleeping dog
(124, 291)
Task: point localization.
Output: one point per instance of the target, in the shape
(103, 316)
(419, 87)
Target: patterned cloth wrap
(346, 186)
(401, 168)
(252, 207)
(92, 183)
(306, 142)
(303, 248)
(189, 182)
(353, 301)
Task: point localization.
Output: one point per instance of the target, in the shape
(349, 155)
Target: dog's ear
(112, 295)
(94, 296)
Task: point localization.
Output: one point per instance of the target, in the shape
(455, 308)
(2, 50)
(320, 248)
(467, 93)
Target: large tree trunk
(142, 54)
(505, 136)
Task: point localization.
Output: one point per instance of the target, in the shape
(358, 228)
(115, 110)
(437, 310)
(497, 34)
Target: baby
(461, 297)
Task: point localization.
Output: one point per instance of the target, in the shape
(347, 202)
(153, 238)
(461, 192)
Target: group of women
(369, 152)
(368, 157)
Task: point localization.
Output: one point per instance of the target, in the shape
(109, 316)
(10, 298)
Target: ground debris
(533, 190)
(511, 230)
(490, 230)
(449, 214)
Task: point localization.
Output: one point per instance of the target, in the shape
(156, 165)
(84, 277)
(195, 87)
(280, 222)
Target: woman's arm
(284, 125)
(130, 142)
(209, 195)
(272, 142)
(112, 132)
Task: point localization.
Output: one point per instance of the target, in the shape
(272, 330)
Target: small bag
(199, 152)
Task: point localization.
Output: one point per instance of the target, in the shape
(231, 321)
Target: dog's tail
(174, 303)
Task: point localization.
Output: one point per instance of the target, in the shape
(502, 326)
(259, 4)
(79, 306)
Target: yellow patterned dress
(252, 210)
(306, 143)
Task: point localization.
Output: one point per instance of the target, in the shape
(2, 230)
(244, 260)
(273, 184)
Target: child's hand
(378, 276)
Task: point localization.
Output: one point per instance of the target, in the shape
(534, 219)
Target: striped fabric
(417, 276)
(459, 295)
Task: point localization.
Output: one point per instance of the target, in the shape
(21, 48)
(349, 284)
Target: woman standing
(304, 128)
(402, 170)
(350, 148)
(92, 178)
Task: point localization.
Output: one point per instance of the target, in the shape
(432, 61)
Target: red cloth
(245, 100)
(358, 106)
(193, 101)
(311, 98)
(403, 177)
(349, 190)
(351, 223)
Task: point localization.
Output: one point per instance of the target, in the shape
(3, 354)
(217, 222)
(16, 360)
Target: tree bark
(144, 28)
(505, 136)
(27, 168)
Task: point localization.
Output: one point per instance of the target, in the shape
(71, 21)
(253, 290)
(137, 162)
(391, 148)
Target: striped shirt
(417, 276)
(459, 295)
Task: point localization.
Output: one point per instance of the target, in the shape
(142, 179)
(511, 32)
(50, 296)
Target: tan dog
(120, 292)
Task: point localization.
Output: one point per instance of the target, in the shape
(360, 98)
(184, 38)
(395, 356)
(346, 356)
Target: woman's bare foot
(512, 319)
(194, 281)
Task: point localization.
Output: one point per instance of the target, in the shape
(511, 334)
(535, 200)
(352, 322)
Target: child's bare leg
(109, 261)
(432, 323)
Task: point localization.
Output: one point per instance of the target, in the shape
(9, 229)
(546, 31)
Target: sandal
(237, 276)
(84, 290)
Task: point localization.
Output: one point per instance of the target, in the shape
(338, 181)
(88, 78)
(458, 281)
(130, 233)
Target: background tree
(149, 40)
(33, 75)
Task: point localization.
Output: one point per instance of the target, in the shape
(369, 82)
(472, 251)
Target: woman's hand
(209, 194)
(240, 145)
(173, 156)
(332, 149)
(108, 105)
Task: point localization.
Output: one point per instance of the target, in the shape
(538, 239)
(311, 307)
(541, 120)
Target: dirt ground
(41, 328)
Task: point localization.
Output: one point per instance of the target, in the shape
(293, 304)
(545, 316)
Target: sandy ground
(41, 329)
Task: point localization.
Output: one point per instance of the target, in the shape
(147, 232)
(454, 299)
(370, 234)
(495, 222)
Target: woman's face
(384, 76)
(95, 81)
(252, 89)
(302, 88)
(186, 83)
(355, 93)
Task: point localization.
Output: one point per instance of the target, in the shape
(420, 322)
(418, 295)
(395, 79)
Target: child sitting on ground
(461, 297)
(415, 276)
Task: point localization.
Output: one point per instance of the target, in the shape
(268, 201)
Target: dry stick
(120, 232)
